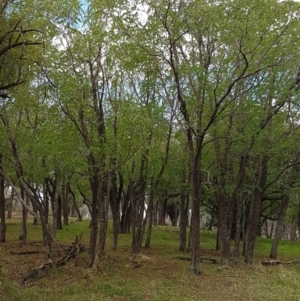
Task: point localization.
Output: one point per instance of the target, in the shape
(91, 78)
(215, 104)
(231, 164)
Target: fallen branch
(270, 262)
(25, 252)
(71, 253)
(213, 260)
(278, 262)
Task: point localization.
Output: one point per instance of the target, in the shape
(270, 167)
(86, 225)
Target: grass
(161, 276)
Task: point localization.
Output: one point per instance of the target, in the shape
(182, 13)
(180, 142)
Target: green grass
(163, 276)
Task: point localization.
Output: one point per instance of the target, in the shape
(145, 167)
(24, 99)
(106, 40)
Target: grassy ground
(163, 273)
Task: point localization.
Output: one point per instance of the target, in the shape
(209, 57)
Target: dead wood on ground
(25, 252)
(71, 252)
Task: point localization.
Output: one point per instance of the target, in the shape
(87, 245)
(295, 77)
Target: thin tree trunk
(126, 209)
(162, 211)
(35, 220)
(75, 205)
(238, 228)
(10, 205)
(65, 200)
(254, 212)
(279, 227)
(23, 232)
(115, 200)
(195, 219)
(59, 211)
(46, 194)
(150, 223)
(2, 203)
(184, 207)
(94, 222)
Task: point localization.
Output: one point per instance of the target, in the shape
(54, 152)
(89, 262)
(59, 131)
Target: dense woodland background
(139, 109)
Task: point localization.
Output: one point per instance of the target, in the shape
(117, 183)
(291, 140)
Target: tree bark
(115, 200)
(2, 203)
(55, 204)
(255, 206)
(238, 227)
(102, 228)
(65, 200)
(75, 204)
(23, 232)
(184, 207)
(195, 219)
(150, 222)
(127, 208)
(279, 227)
(94, 221)
(10, 204)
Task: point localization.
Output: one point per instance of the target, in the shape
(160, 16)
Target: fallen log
(278, 262)
(213, 260)
(270, 262)
(72, 252)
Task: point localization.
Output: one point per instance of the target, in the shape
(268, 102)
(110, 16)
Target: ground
(158, 273)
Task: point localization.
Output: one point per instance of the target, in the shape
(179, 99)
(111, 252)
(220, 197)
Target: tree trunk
(2, 203)
(10, 205)
(138, 203)
(238, 228)
(184, 207)
(94, 221)
(103, 227)
(225, 222)
(23, 232)
(254, 212)
(150, 210)
(279, 227)
(46, 194)
(59, 211)
(35, 220)
(65, 200)
(56, 203)
(114, 199)
(75, 205)
(162, 211)
(126, 209)
(195, 219)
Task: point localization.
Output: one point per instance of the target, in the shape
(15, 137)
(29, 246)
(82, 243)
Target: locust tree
(211, 53)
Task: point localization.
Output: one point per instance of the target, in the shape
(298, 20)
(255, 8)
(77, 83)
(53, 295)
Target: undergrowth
(162, 274)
